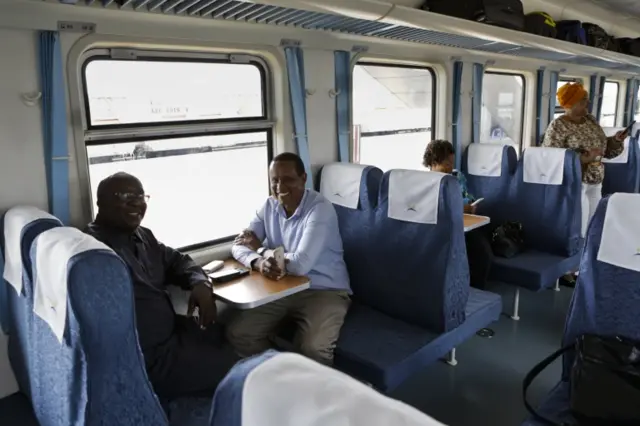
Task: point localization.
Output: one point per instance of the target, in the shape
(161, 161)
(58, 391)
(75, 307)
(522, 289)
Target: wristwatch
(261, 250)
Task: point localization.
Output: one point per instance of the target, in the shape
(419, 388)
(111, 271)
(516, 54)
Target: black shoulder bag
(605, 382)
(507, 240)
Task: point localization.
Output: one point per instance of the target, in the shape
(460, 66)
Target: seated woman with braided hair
(440, 157)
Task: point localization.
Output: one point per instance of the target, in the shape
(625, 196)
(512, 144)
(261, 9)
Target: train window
(609, 109)
(156, 91)
(393, 114)
(502, 108)
(205, 179)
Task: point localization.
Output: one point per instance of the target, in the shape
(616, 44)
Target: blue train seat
(489, 169)
(606, 298)
(622, 172)
(19, 227)
(545, 196)
(258, 391)
(88, 365)
(412, 303)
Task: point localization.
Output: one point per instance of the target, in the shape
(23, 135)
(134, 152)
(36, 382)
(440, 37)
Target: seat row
(622, 174)
(542, 191)
(73, 344)
(403, 238)
(606, 299)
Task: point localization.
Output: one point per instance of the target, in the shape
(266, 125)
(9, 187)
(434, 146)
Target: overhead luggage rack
(399, 23)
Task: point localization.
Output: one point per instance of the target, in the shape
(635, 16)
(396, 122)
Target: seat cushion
(534, 270)
(384, 351)
(555, 407)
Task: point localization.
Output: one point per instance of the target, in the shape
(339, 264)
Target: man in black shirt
(182, 357)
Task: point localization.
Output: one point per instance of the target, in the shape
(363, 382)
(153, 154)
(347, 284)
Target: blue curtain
(631, 101)
(54, 123)
(456, 130)
(476, 108)
(539, 100)
(593, 80)
(343, 102)
(600, 97)
(554, 76)
(297, 92)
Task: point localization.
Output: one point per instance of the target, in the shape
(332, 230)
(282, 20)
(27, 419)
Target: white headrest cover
(291, 390)
(623, 157)
(620, 242)
(414, 195)
(340, 183)
(15, 221)
(543, 165)
(485, 159)
(54, 249)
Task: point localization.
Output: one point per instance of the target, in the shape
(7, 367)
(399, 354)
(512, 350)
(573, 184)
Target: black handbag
(605, 382)
(507, 240)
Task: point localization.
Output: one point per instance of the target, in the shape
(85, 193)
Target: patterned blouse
(563, 133)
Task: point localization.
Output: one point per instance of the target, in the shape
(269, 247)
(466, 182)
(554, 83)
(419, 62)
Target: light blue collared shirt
(310, 237)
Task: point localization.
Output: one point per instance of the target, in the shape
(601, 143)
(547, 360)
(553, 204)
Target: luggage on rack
(501, 13)
(614, 45)
(540, 23)
(596, 36)
(630, 46)
(571, 31)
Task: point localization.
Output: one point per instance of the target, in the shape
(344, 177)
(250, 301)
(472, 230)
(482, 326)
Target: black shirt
(152, 266)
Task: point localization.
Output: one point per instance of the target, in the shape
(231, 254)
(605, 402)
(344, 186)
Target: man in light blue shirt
(306, 225)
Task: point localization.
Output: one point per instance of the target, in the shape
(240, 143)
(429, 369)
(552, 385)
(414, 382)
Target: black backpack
(605, 381)
(507, 240)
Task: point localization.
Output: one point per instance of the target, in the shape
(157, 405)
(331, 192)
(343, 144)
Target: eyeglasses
(128, 197)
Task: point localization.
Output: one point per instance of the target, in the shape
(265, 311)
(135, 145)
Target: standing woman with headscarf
(578, 130)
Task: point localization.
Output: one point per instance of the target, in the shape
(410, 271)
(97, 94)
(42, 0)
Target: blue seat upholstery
(412, 301)
(258, 391)
(91, 370)
(489, 169)
(551, 219)
(606, 298)
(29, 223)
(385, 351)
(622, 173)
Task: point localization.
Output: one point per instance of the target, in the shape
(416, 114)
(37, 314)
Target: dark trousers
(479, 255)
(192, 363)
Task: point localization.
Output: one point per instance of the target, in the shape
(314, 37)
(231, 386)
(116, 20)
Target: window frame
(102, 57)
(153, 131)
(524, 100)
(617, 102)
(374, 63)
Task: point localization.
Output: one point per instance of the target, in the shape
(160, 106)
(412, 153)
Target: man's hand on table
(268, 267)
(248, 239)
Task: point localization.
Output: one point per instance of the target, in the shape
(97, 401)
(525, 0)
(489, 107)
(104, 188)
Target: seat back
(621, 172)
(89, 367)
(414, 264)
(258, 391)
(353, 190)
(489, 169)
(19, 227)
(606, 300)
(545, 197)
